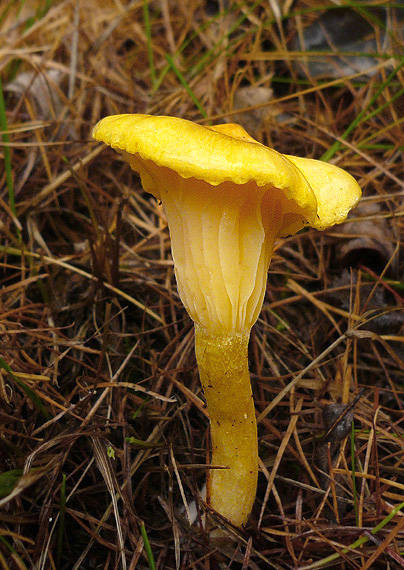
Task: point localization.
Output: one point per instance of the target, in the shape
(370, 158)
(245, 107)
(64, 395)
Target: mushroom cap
(323, 193)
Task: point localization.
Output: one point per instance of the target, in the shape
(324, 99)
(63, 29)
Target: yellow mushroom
(226, 198)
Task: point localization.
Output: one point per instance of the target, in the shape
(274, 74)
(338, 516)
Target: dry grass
(102, 423)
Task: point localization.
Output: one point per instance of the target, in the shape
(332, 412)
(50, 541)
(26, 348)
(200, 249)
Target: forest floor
(104, 436)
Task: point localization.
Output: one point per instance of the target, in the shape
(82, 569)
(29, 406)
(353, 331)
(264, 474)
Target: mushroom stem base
(223, 370)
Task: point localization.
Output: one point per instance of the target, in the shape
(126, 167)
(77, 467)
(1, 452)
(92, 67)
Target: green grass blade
(12, 68)
(40, 13)
(147, 27)
(16, 557)
(213, 52)
(186, 86)
(35, 399)
(361, 117)
(6, 9)
(147, 547)
(6, 152)
(325, 562)
(8, 480)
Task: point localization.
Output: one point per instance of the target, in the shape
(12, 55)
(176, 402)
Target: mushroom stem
(223, 370)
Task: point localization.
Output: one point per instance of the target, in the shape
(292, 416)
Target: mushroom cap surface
(323, 193)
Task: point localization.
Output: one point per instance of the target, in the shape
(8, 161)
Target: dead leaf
(370, 242)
